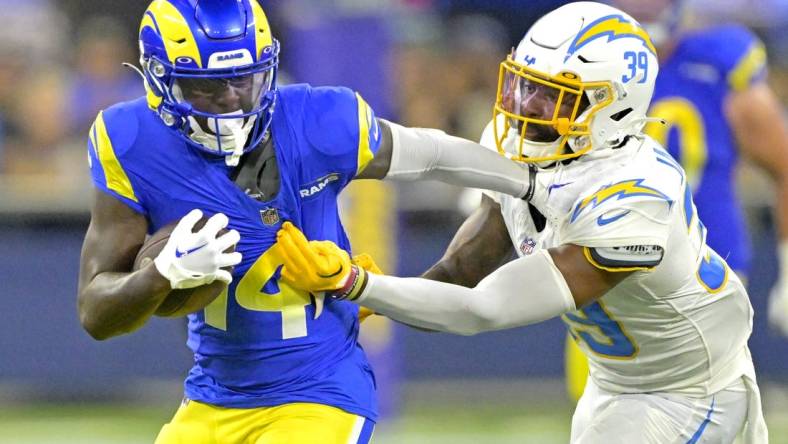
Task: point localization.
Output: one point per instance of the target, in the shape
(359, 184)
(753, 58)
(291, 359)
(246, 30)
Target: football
(182, 301)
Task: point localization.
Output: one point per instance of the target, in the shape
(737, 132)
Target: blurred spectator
(40, 129)
(33, 28)
(30, 39)
(476, 46)
(419, 65)
(341, 42)
(100, 79)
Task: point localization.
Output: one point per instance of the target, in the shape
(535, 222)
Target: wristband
(354, 285)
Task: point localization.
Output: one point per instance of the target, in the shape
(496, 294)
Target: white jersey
(681, 321)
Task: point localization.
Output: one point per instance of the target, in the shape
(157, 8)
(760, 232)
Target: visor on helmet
(220, 95)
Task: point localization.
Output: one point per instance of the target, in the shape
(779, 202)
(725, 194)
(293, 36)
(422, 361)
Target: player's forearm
(781, 210)
(113, 304)
(424, 304)
(428, 154)
(761, 130)
(480, 245)
(523, 292)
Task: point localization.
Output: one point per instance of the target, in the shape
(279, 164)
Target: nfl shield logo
(270, 216)
(528, 245)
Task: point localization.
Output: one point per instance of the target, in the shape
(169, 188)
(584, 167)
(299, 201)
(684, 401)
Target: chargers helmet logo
(613, 27)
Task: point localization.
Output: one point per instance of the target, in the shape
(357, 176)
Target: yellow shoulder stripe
(749, 65)
(590, 259)
(365, 154)
(116, 178)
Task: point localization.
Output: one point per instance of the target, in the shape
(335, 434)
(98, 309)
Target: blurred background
(430, 63)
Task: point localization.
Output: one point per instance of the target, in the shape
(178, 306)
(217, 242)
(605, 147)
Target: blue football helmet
(210, 72)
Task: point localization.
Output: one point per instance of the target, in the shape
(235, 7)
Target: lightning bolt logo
(613, 27)
(620, 190)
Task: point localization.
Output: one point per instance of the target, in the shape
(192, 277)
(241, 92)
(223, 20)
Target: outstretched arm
(410, 154)
(525, 291)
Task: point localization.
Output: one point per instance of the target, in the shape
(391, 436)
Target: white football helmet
(581, 79)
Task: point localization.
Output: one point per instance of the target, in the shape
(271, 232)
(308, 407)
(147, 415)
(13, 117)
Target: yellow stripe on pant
(575, 368)
(296, 423)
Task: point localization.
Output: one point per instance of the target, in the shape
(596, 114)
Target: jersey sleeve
(742, 57)
(342, 130)
(622, 226)
(105, 146)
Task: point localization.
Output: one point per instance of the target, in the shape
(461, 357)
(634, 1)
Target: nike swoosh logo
(179, 253)
(375, 130)
(332, 274)
(601, 220)
(556, 186)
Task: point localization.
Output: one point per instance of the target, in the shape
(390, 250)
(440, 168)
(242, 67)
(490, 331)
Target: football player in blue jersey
(215, 135)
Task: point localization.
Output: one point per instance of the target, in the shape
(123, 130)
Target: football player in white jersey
(608, 238)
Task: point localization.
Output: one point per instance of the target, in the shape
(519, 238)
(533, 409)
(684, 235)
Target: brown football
(184, 301)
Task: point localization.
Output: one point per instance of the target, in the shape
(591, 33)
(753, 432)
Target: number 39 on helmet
(580, 80)
(210, 71)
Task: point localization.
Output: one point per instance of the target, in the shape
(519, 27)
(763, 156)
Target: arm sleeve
(429, 154)
(525, 291)
(106, 170)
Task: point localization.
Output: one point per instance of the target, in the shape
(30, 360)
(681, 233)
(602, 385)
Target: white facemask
(232, 133)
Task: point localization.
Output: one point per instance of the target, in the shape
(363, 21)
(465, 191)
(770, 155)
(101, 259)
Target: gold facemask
(543, 110)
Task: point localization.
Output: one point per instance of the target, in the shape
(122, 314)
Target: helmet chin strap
(232, 133)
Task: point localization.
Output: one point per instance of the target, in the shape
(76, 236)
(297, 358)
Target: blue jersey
(258, 344)
(690, 92)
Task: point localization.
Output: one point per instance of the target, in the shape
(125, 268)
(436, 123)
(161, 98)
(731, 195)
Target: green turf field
(448, 415)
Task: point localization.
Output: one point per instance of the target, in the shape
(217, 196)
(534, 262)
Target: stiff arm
(527, 290)
(411, 154)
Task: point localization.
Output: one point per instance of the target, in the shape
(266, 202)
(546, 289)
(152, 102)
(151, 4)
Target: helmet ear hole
(621, 114)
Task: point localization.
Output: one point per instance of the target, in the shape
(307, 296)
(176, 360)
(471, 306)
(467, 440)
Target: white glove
(192, 259)
(778, 298)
